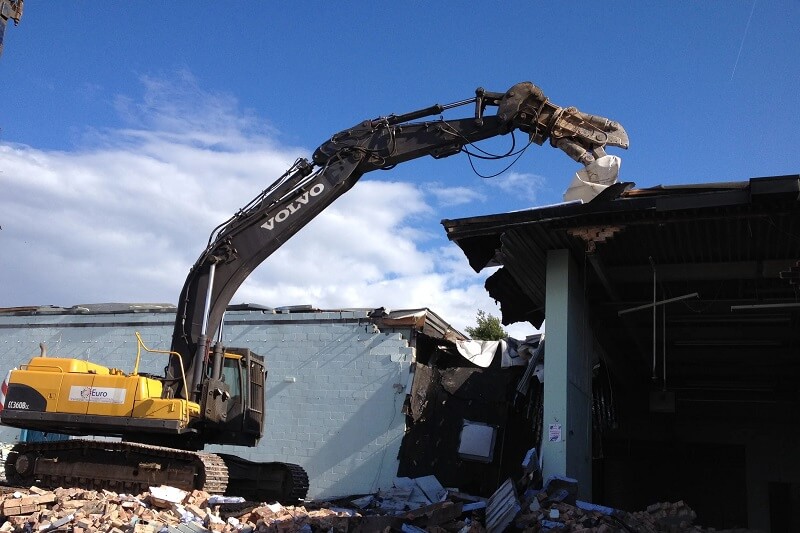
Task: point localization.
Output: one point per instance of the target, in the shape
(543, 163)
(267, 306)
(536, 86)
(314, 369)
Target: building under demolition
(671, 369)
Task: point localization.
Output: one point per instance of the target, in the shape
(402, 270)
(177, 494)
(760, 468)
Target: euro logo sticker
(96, 394)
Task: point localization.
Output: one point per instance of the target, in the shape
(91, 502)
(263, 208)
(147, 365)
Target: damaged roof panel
(735, 244)
(707, 223)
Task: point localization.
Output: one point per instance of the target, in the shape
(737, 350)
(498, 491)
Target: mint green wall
(567, 375)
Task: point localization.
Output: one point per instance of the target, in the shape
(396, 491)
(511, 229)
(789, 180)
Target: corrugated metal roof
(727, 241)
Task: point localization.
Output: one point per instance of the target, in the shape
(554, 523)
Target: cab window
(230, 373)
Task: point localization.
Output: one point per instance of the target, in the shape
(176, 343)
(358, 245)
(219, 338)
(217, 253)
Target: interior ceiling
(732, 251)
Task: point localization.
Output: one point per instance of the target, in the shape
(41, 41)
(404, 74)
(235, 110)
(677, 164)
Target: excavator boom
(239, 245)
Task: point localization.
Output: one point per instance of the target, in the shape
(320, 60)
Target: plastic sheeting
(482, 353)
(593, 179)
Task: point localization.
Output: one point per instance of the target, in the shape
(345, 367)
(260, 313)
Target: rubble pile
(170, 510)
(163, 509)
(531, 506)
(410, 506)
(543, 513)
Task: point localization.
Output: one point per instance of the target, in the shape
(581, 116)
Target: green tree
(488, 328)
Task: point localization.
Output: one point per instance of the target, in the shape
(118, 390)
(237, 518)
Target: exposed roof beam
(600, 270)
(701, 271)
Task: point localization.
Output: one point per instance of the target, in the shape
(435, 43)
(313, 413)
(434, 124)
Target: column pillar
(567, 446)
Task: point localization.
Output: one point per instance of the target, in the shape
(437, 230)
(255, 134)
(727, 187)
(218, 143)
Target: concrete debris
(168, 510)
(165, 496)
(431, 487)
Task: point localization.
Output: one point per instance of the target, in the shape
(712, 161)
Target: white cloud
(125, 216)
(452, 196)
(521, 185)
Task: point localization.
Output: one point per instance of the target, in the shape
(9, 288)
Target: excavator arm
(9, 10)
(240, 244)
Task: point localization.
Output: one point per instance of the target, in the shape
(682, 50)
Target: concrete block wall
(335, 384)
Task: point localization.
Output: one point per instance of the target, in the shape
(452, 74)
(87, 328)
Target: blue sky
(119, 119)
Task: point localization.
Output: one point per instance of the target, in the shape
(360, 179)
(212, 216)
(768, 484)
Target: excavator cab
(242, 412)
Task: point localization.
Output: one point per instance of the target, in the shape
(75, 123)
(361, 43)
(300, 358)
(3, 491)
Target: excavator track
(283, 482)
(299, 478)
(133, 467)
(117, 466)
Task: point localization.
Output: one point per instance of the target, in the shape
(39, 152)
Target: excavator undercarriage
(132, 467)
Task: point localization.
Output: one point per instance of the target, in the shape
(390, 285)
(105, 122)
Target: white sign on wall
(554, 433)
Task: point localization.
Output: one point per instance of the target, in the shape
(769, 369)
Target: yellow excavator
(212, 394)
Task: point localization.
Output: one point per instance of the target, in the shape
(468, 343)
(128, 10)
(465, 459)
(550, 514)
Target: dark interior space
(784, 500)
(710, 478)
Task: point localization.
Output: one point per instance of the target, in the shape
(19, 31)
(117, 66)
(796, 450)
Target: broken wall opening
(449, 390)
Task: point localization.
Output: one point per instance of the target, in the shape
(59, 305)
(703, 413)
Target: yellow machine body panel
(61, 365)
(76, 396)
